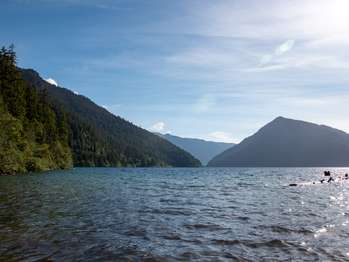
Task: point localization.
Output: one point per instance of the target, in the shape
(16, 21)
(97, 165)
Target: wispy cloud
(205, 65)
(279, 51)
(202, 57)
(221, 136)
(284, 47)
(301, 61)
(158, 127)
(298, 19)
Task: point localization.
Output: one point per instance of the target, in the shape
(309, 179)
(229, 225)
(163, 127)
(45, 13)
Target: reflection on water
(173, 214)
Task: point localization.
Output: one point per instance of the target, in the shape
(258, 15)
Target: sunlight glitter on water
(173, 214)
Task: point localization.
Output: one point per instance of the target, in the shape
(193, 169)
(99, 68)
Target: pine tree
(32, 138)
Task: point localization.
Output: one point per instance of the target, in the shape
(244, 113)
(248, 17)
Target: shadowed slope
(199, 148)
(99, 138)
(286, 142)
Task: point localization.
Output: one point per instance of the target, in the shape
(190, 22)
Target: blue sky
(217, 70)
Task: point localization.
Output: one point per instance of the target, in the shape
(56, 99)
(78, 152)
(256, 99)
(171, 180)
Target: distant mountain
(201, 149)
(99, 138)
(289, 143)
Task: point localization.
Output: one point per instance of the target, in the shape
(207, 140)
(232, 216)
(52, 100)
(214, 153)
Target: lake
(179, 214)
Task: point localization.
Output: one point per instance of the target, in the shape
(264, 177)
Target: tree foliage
(33, 136)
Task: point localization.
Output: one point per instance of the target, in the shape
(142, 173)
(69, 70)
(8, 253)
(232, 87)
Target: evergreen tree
(32, 137)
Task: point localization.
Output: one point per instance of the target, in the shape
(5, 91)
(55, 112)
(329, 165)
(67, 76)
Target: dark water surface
(173, 215)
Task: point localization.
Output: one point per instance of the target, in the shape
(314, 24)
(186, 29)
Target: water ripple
(208, 214)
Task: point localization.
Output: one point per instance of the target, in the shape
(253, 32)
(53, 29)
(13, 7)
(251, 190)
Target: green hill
(99, 138)
(44, 127)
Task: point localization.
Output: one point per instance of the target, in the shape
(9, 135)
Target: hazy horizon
(212, 70)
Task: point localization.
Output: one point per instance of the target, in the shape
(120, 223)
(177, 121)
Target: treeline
(44, 127)
(99, 138)
(33, 134)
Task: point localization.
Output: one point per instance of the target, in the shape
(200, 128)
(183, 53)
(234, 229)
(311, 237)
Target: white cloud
(284, 47)
(51, 81)
(317, 26)
(221, 136)
(273, 19)
(279, 51)
(76, 93)
(265, 68)
(158, 127)
(301, 60)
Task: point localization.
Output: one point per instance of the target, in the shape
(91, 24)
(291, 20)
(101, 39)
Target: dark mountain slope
(99, 138)
(199, 148)
(285, 142)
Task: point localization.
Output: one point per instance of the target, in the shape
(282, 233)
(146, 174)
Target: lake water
(204, 214)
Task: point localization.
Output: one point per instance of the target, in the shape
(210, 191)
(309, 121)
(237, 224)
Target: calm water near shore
(204, 214)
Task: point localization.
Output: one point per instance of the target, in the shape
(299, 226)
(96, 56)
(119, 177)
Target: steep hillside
(289, 143)
(33, 136)
(99, 138)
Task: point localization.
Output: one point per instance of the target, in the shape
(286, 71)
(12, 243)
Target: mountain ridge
(99, 138)
(289, 142)
(203, 150)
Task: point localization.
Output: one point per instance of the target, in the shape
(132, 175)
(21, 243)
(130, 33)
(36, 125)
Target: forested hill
(33, 136)
(99, 138)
